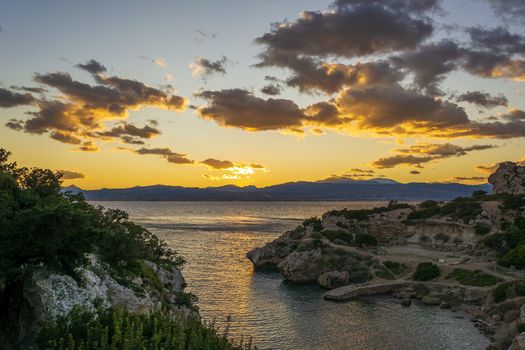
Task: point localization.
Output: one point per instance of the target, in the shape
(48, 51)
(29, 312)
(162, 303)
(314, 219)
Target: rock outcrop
(508, 178)
(49, 295)
(334, 279)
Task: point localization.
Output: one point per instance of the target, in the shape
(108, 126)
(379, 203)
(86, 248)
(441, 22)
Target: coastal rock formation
(269, 256)
(50, 295)
(508, 178)
(519, 342)
(334, 279)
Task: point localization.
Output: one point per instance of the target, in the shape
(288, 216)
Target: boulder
(518, 343)
(406, 302)
(429, 300)
(303, 266)
(508, 178)
(334, 279)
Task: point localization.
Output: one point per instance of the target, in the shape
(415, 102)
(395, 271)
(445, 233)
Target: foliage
(309, 244)
(363, 214)
(396, 267)
(475, 278)
(41, 227)
(116, 328)
(509, 290)
(520, 327)
(365, 240)
(338, 235)
(426, 271)
(461, 208)
(516, 257)
(481, 229)
(382, 272)
(315, 222)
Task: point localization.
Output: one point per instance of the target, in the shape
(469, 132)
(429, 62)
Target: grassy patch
(508, 290)
(475, 278)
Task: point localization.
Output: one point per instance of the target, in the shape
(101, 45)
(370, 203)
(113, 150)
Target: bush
(475, 278)
(315, 222)
(365, 240)
(44, 228)
(338, 235)
(481, 229)
(426, 271)
(516, 257)
(395, 267)
(520, 327)
(509, 290)
(363, 214)
(116, 328)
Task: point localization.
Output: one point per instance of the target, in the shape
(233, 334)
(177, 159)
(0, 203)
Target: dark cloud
(414, 6)
(415, 172)
(168, 154)
(509, 9)
(88, 146)
(355, 28)
(496, 39)
(82, 110)
(127, 129)
(218, 164)
(430, 64)
(92, 67)
(424, 153)
(31, 89)
(385, 108)
(240, 108)
(65, 138)
(487, 168)
(14, 124)
(206, 68)
(271, 89)
(515, 114)
(483, 99)
(10, 99)
(71, 175)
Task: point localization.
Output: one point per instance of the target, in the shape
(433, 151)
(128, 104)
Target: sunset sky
(208, 93)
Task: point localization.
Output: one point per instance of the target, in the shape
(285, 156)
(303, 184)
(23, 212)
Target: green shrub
(426, 271)
(315, 222)
(516, 257)
(365, 240)
(509, 290)
(395, 267)
(475, 278)
(381, 272)
(118, 329)
(481, 229)
(309, 244)
(364, 214)
(339, 235)
(43, 227)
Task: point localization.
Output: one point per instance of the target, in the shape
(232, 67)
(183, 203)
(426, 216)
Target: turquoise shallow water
(214, 238)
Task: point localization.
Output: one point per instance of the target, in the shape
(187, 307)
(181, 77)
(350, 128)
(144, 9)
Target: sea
(214, 238)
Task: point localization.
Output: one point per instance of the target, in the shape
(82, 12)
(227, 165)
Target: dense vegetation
(43, 228)
(338, 236)
(508, 290)
(117, 329)
(426, 271)
(475, 278)
(364, 214)
(461, 208)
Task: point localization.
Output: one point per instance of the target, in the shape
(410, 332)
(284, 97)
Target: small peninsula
(466, 254)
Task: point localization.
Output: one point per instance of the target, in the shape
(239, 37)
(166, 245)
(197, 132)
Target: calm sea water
(214, 238)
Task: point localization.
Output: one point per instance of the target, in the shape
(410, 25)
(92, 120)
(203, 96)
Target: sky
(209, 93)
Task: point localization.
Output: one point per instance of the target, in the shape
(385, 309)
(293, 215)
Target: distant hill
(324, 190)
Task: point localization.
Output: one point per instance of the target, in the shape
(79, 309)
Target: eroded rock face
(51, 294)
(304, 266)
(519, 342)
(334, 279)
(269, 256)
(508, 178)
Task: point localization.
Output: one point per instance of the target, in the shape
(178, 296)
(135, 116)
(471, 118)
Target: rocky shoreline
(460, 254)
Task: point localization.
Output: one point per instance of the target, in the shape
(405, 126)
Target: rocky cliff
(508, 178)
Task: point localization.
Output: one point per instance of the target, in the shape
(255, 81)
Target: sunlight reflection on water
(214, 238)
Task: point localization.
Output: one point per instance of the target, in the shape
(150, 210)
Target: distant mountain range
(332, 189)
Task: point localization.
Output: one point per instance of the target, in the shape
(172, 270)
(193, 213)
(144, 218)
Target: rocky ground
(387, 250)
